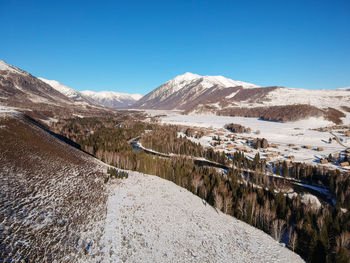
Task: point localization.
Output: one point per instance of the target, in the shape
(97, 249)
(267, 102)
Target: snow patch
(6, 109)
(317, 98)
(309, 199)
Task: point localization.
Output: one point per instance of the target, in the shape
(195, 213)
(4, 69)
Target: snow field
(299, 133)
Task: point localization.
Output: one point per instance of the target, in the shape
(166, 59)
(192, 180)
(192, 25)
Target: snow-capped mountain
(219, 95)
(183, 90)
(111, 99)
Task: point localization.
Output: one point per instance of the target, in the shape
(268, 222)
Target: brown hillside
(52, 195)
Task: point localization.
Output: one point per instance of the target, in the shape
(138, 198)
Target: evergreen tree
(342, 256)
(278, 169)
(285, 170)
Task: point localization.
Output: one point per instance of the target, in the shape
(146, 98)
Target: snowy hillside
(290, 96)
(150, 219)
(6, 67)
(111, 99)
(71, 93)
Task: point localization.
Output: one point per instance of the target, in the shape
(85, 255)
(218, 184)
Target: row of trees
(165, 139)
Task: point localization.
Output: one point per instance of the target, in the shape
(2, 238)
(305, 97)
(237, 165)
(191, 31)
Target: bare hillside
(51, 195)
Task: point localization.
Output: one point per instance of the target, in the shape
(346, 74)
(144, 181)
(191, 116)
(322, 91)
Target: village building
(343, 164)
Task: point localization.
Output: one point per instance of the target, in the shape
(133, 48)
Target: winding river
(299, 186)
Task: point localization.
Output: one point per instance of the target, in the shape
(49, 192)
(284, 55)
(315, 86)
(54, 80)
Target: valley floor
(300, 133)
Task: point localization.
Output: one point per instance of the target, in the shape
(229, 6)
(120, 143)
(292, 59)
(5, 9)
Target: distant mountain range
(189, 92)
(108, 99)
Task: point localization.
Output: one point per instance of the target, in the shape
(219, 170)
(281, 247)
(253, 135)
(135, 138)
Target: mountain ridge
(110, 99)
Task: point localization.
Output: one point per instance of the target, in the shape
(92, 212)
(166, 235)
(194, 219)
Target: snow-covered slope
(183, 90)
(6, 67)
(69, 92)
(150, 219)
(111, 99)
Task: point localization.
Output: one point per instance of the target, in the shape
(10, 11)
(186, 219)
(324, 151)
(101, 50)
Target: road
(338, 140)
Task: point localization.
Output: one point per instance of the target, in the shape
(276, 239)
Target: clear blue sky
(134, 46)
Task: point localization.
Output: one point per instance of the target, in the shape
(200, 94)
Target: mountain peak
(226, 82)
(209, 81)
(187, 76)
